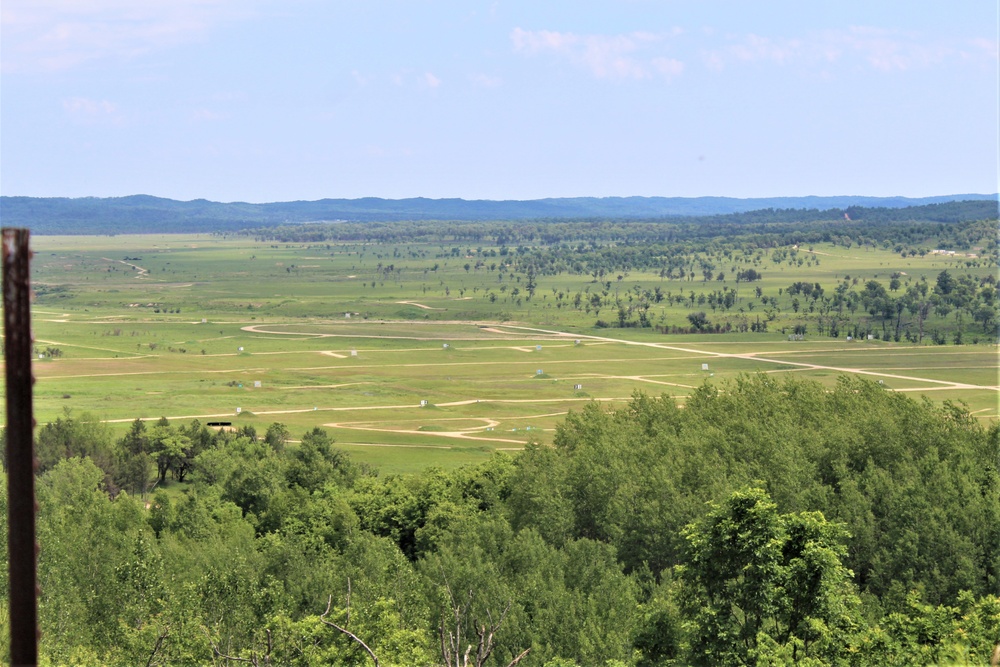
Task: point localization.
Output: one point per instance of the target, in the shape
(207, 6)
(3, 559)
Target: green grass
(285, 305)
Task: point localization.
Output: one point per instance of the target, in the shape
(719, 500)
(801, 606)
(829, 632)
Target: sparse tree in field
(698, 320)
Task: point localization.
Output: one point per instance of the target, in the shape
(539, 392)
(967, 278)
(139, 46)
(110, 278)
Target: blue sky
(251, 100)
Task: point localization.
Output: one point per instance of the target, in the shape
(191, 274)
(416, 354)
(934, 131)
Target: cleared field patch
(207, 318)
(487, 370)
(395, 458)
(969, 368)
(424, 331)
(977, 377)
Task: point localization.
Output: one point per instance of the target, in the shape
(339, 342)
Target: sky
(260, 100)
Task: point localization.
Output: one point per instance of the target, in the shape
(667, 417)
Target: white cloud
(82, 105)
(63, 34)
(485, 80)
(410, 79)
(636, 55)
(990, 47)
(887, 50)
(88, 111)
(875, 48)
(208, 115)
(668, 66)
(755, 47)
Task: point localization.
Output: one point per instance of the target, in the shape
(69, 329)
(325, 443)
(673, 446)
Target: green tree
(70, 436)
(316, 461)
(756, 580)
(945, 283)
(135, 466)
(277, 436)
(168, 448)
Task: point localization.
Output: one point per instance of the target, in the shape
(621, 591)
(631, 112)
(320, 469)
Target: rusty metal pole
(21, 507)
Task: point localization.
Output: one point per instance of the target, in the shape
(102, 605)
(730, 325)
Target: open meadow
(417, 365)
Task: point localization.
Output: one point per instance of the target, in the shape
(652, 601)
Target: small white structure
(704, 367)
(445, 346)
(871, 337)
(347, 315)
(578, 386)
(239, 349)
(354, 353)
(538, 372)
(538, 348)
(204, 321)
(423, 403)
(239, 410)
(256, 384)
(576, 342)
(850, 338)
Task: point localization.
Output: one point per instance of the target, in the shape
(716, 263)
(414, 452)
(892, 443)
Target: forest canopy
(767, 521)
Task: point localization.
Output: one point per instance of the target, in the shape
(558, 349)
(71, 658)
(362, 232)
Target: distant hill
(138, 214)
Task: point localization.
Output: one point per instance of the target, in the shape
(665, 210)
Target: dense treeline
(949, 223)
(143, 214)
(764, 522)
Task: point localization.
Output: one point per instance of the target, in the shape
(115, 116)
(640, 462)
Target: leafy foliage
(764, 523)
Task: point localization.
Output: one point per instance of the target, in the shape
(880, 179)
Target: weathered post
(21, 508)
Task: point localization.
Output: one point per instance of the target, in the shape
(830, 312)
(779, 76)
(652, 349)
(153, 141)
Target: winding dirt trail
(143, 273)
(419, 305)
(755, 356)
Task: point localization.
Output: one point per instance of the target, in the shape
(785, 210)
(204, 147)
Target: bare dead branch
(518, 658)
(486, 635)
(215, 649)
(159, 644)
(451, 642)
(348, 622)
(347, 632)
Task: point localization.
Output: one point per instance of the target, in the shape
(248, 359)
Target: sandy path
(462, 434)
(325, 386)
(754, 356)
(132, 355)
(143, 273)
(383, 444)
(419, 305)
(305, 335)
(231, 415)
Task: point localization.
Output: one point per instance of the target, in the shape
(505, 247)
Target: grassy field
(185, 327)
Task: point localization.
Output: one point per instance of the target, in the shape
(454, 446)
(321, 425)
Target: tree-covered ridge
(765, 228)
(770, 522)
(143, 214)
